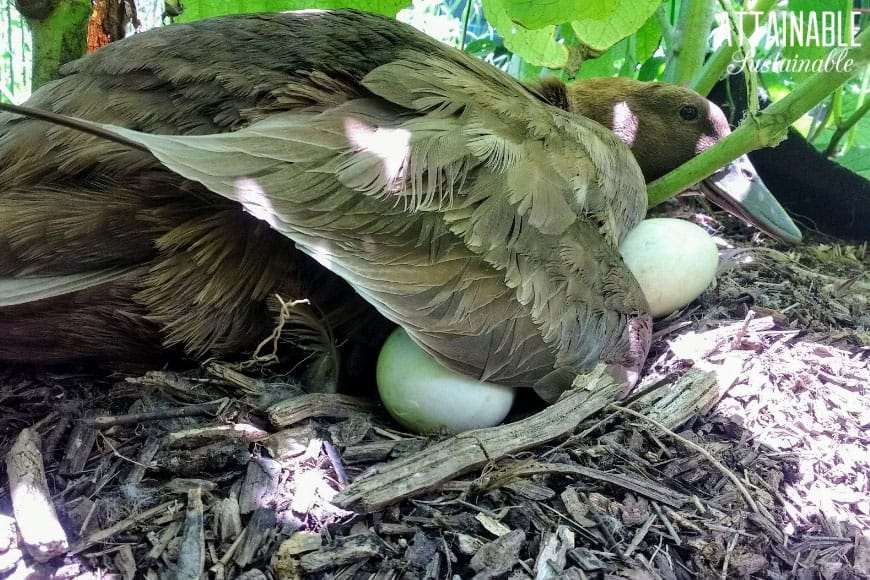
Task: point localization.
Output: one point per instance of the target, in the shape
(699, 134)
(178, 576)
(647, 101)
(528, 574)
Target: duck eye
(689, 112)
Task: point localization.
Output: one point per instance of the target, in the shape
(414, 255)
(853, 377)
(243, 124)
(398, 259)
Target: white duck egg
(426, 397)
(673, 260)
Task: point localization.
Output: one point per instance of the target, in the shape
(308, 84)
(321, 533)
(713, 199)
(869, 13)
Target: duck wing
(447, 194)
(482, 220)
(74, 207)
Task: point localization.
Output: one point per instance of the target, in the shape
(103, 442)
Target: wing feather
(21, 290)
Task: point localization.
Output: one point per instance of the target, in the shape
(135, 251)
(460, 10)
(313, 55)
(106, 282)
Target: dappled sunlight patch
(255, 200)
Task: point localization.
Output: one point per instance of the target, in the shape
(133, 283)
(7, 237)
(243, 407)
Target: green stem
(717, 64)
(862, 95)
(766, 129)
(749, 76)
(818, 125)
(844, 127)
(667, 28)
(466, 16)
(690, 46)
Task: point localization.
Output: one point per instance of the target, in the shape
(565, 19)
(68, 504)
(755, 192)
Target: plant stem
(59, 36)
(690, 43)
(766, 129)
(466, 16)
(667, 28)
(843, 128)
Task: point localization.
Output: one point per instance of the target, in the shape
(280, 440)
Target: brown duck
(304, 154)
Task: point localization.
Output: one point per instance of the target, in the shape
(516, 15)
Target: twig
(667, 523)
(162, 542)
(295, 409)
(100, 535)
(727, 558)
(639, 535)
(843, 128)
(690, 444)
(337, 466)
(666, 26)
(610, 541)
(220, 566)
(717, 64)
(212, 407)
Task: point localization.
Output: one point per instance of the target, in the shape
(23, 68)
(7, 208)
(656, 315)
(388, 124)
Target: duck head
(665, 126)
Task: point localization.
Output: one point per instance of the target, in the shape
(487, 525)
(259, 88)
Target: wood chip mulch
(747, 455)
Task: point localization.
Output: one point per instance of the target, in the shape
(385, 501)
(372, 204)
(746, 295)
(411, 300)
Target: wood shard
(42, 535)
(78, 449)
(170, 507)
(227, 518)
(192, 438)
(261, 484)
(499, 556)
(258, 532)
(125, 562)
(290, 411)
(191, 554)
(552, 557)
(342, 552)
(290, 442)
(693, 394)
(301, 542)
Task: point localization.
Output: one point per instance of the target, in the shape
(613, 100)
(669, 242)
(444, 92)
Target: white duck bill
(737, 189)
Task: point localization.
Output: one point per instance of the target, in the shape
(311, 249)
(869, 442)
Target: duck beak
(737, 189)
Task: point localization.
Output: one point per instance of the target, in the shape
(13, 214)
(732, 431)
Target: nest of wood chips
(745, 455)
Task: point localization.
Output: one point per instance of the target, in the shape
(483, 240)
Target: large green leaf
(537, 14)
(199, 9)
(538, 47)
(603, 23)
(599, 24)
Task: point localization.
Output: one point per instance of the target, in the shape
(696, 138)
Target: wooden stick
(443, 461)
(40, 530)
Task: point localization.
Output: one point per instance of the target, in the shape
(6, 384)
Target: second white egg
(673, 260)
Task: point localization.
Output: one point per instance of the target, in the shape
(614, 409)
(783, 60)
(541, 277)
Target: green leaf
(857, 159)
(481, 47)
(538, 14)
(652, 69)
(603, 23)
(607, 65)
(648, 36)
(598, 24)
(538, 47)
(199, 9)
